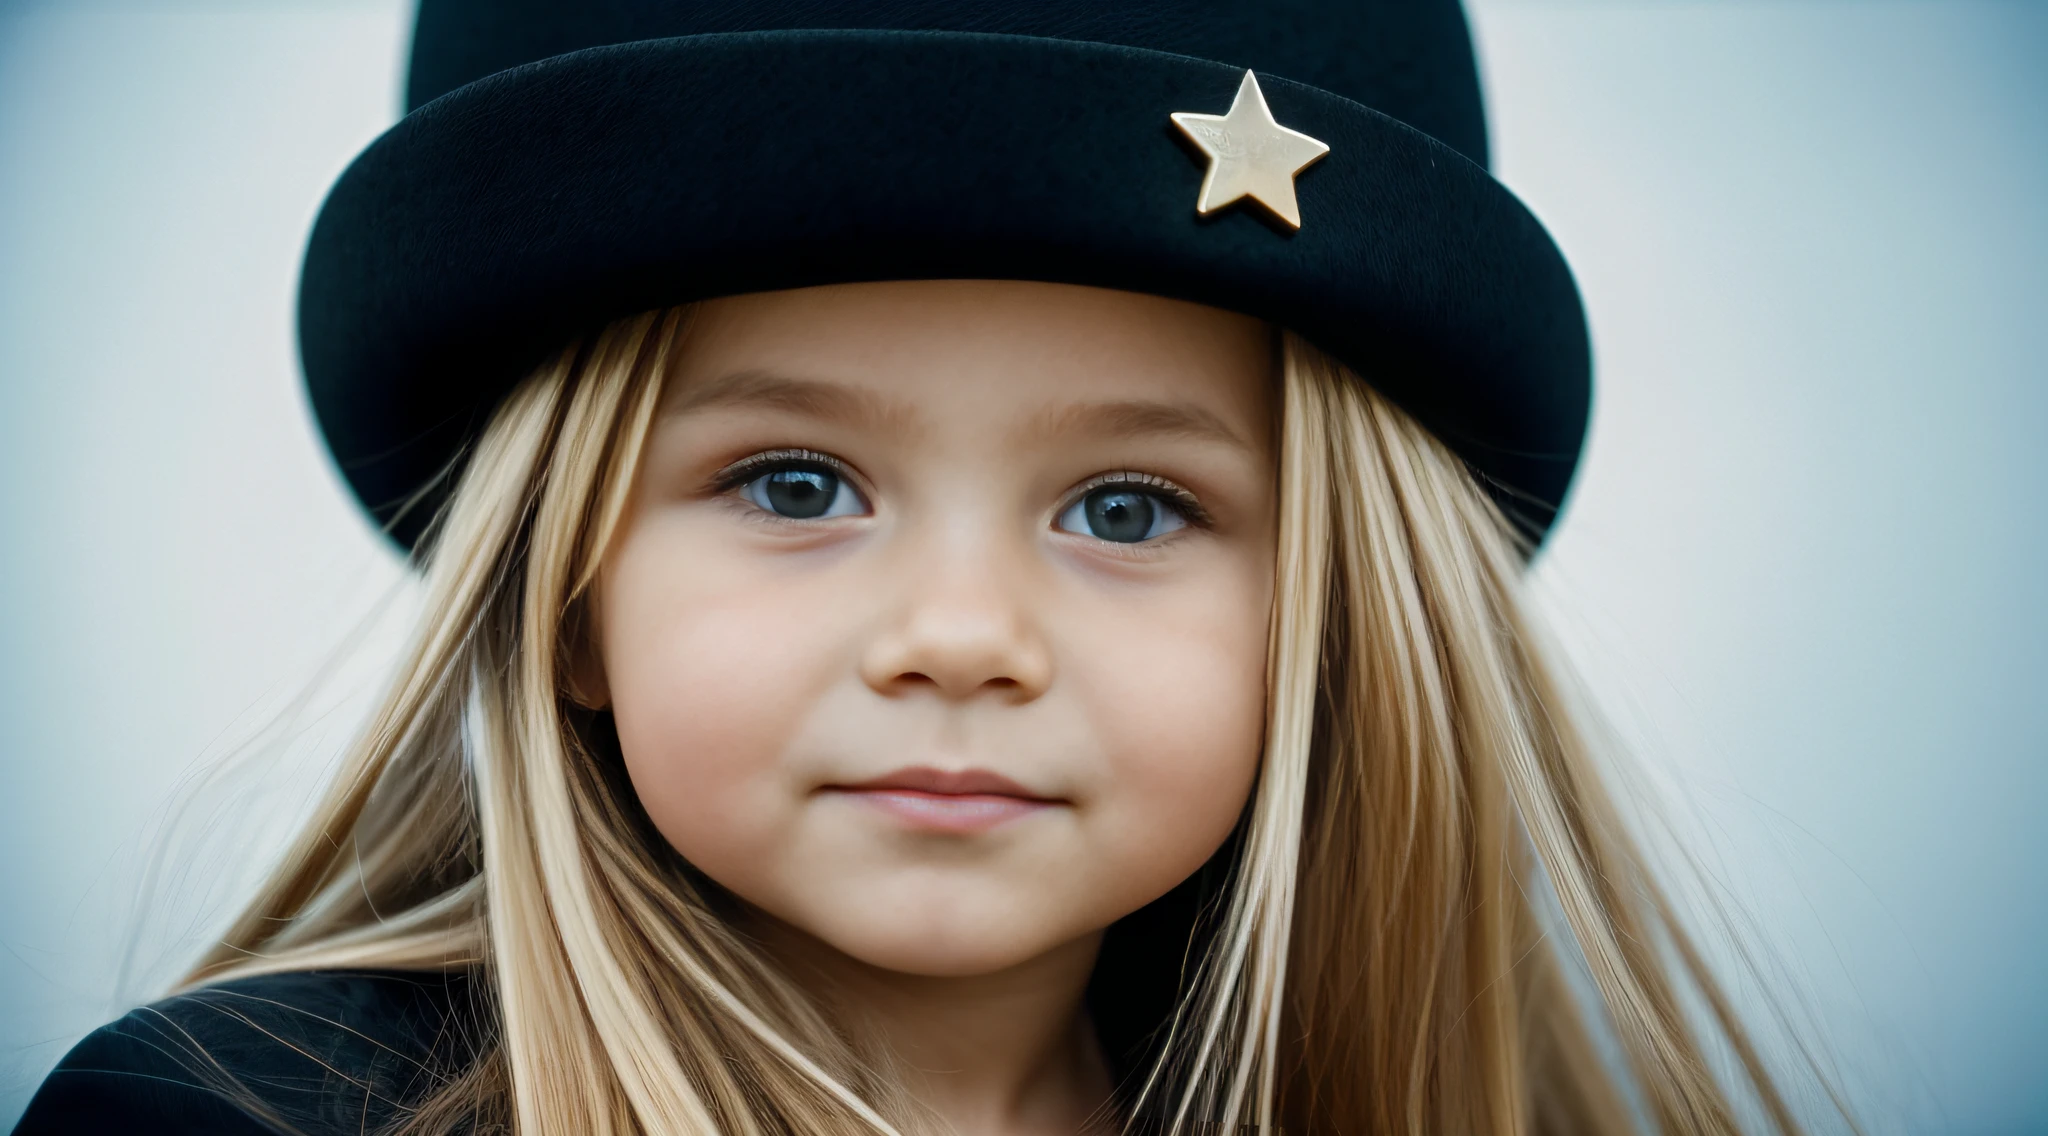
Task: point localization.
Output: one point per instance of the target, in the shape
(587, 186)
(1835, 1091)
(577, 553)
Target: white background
(1804, 568)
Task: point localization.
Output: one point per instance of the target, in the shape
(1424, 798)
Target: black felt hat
(567, 162)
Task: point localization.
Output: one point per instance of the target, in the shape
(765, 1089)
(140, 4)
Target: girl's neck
(1011, 1053)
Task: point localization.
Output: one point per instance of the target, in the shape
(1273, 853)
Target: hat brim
(493, 225)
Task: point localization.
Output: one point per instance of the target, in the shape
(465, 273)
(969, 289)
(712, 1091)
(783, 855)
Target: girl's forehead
(1014, 344)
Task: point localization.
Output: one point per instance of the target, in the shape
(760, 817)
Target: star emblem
(1250, 155)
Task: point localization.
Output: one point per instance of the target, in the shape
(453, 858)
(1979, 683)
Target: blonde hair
(1376, 960)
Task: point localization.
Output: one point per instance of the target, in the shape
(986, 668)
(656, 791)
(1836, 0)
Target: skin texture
(946, 618)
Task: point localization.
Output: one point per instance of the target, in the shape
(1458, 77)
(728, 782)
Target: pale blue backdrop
(1804, 570)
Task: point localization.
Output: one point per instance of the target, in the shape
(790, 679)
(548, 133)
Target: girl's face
(937, 629)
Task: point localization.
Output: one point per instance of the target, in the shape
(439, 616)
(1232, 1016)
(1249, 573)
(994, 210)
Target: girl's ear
(582, 662)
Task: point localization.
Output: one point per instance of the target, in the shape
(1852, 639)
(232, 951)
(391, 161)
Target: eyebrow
(812, 398)
(1137, 417)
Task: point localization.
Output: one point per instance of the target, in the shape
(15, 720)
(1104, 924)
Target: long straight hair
(1376, 952)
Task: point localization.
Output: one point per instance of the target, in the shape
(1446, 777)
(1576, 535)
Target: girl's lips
(948, 812)
(938, 800)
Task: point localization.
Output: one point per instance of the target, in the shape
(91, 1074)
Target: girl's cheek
(1178, 705)
(711, 676)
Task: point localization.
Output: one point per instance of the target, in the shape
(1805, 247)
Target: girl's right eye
(803, 492)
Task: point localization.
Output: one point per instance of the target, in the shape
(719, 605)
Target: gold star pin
(1250, 155)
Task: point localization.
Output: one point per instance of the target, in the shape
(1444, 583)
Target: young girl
(973, 567)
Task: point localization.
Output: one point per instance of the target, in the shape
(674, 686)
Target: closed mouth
(925, 780)
(963, 801)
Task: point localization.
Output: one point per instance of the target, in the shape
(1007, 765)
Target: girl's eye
(1123, 514)
(803, 493)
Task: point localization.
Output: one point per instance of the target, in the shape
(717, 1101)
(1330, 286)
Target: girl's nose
(961, 629)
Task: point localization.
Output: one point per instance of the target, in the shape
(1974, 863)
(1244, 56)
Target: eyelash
(746, 469)
(1186, 502)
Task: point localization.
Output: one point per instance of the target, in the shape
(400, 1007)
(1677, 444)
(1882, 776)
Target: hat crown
(1410, 59)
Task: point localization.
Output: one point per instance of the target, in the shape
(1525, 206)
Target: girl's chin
(924, 946)
(921, 961)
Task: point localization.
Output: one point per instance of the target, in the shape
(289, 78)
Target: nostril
(957, 658)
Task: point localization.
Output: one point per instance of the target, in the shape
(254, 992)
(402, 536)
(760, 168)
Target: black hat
(567, 162)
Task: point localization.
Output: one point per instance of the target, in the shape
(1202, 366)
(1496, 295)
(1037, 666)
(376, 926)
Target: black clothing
(320, 1051)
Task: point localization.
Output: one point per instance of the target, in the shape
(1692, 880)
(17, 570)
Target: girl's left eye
(1122, 513)
(803, 493)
